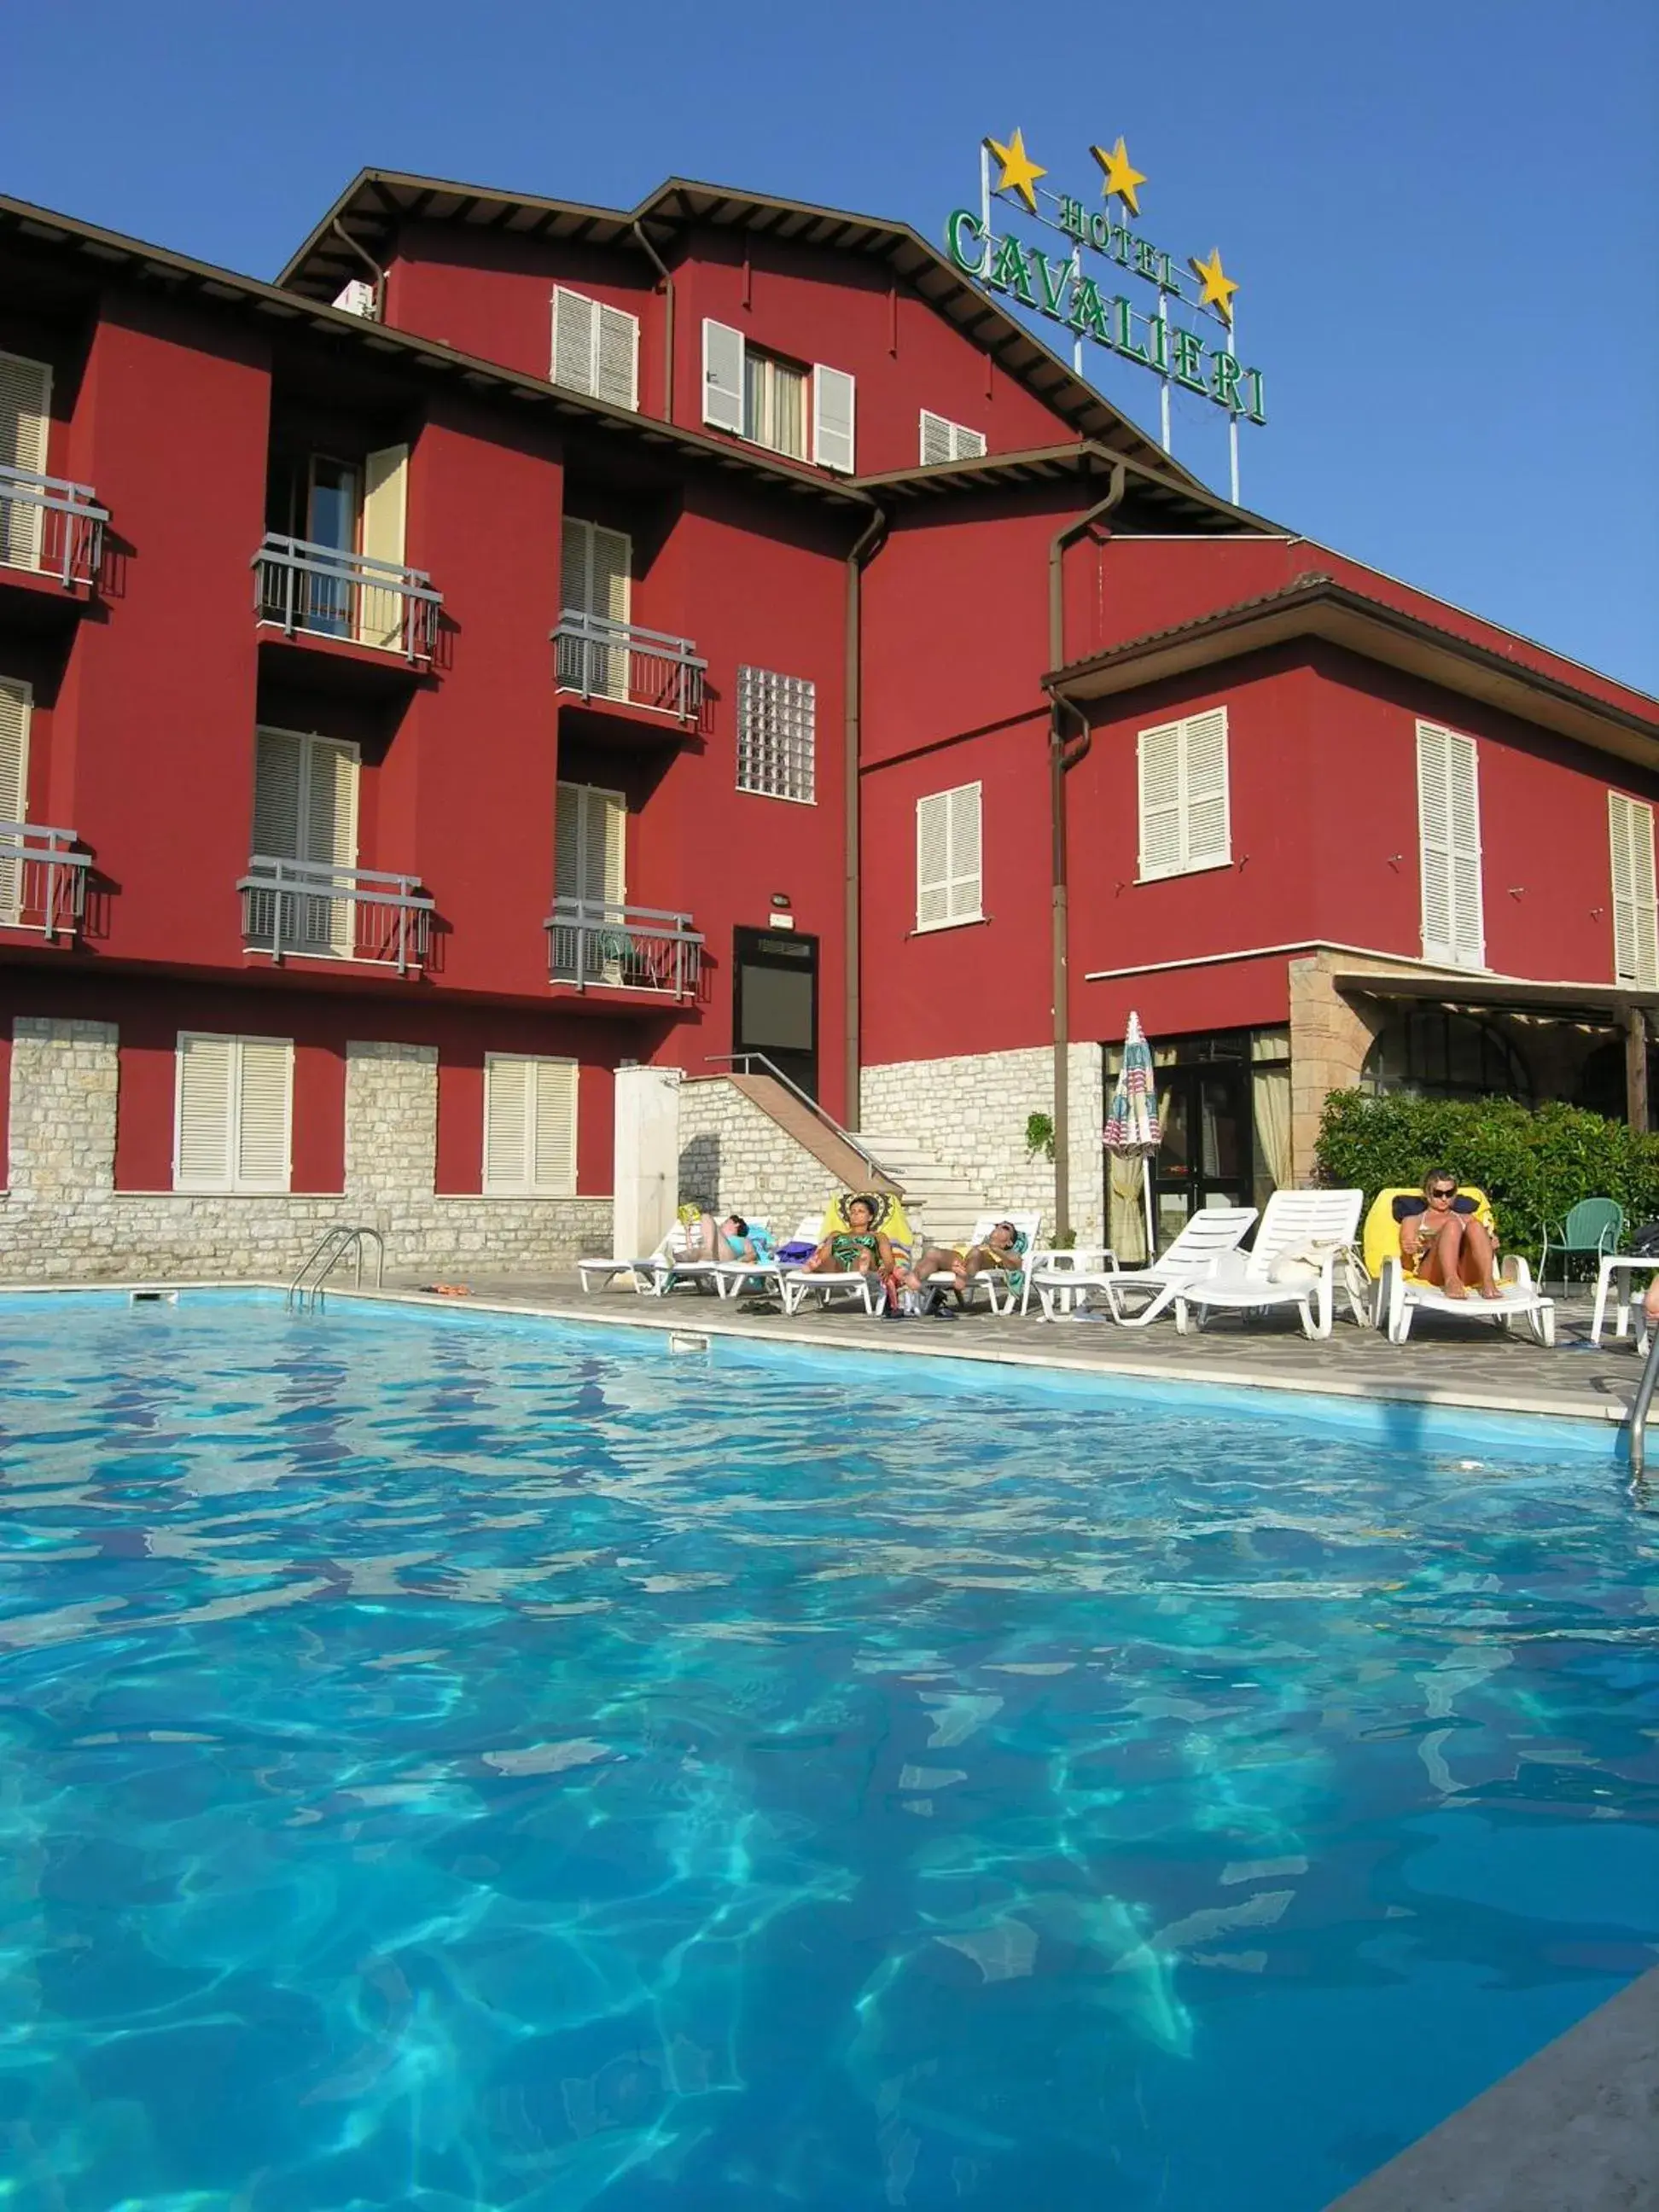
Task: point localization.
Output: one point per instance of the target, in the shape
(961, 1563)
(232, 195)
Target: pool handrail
(305, 1292)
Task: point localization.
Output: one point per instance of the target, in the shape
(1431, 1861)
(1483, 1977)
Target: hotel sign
(1079, 289)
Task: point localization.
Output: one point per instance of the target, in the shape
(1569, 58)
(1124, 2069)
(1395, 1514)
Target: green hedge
(1532, 1162)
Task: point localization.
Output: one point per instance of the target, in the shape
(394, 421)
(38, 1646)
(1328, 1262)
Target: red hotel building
(529, 638)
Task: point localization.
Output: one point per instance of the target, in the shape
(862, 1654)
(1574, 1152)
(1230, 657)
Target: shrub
(1532, 1162)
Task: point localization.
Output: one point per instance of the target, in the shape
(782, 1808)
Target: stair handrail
(305, 1292)
(846, 1136)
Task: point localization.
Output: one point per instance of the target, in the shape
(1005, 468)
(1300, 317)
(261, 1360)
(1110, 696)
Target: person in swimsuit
(859, 1249)
(1004, 1248)
(731, 1239)
(1443, 1242)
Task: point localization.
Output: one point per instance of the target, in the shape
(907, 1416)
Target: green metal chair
(1595, 1226)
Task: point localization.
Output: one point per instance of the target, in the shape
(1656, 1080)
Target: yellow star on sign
(1122, 175)
(1218, 287)
(1019, 172)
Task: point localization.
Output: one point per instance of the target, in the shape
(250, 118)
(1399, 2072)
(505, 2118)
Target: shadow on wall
(700, 1170)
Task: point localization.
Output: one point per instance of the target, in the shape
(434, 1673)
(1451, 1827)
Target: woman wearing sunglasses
(1442, 1240)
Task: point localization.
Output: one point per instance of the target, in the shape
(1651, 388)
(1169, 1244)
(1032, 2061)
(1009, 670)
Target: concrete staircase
(946, 1206)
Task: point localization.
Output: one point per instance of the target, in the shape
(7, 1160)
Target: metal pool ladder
(1638, 1412)
(305, 1292)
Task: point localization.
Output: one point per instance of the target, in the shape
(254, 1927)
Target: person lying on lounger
(1443, 1243)
(860, 1249)
(1004, 1248)
(731, 1239)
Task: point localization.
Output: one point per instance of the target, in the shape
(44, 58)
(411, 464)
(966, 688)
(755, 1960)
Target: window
(530, 1126)
(596, 348)
(25, 411)
(589, 846)
(777, 741)
(1431, 1053)
(943, 440)
(1635, 933)
(16, 703)
(1448, 827)
(232, 1111)
(305, 810)
(1185, 822)
(756, 395)
(948, 869)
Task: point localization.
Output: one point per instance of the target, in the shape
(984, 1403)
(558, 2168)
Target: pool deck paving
(1445, 1363)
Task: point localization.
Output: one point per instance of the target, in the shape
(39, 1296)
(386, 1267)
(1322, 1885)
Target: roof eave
(1387, 635)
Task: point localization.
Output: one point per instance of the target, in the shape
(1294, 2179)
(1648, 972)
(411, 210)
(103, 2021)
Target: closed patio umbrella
(1132, 1130)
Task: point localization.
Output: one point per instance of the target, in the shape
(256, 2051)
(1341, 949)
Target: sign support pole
(1163, 381)
(1232, 421)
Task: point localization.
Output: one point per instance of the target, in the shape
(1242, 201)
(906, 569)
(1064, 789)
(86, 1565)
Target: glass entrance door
(775, 1007)
(1205, 1158)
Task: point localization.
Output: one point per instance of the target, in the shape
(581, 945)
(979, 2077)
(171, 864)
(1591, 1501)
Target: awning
(1606, 1003)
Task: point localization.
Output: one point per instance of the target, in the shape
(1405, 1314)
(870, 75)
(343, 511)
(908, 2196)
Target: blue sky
(1444, 219)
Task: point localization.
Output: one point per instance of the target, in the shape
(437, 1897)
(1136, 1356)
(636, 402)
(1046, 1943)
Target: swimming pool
(458, 1762)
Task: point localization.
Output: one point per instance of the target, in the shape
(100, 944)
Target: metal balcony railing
(322, 593)
(623, 948)
(43, 880)
(51, 526)
(605, 659)
(361, 914)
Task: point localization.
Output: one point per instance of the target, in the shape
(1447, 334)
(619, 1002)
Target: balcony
(317, 591)
(644, 672)
(43, 880)
(304, 910)
(51, 528)
(623, 948)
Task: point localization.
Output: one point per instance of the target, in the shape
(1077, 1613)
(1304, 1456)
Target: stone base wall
(736, 1159)
(968, 1114)
(63, 1220)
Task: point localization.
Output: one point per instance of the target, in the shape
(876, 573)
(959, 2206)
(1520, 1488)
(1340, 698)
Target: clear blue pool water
(457, 1764)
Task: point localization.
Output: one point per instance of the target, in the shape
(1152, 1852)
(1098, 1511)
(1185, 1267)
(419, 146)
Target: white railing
(51, 526)
(43, 880)
(623, 948)
(322, 593)
(604, 659)
(361, 914)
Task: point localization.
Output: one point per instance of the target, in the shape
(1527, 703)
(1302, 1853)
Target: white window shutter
(617, 372)
(279, 762)
(25, 414)
(575, 341)
(967, 445)
(385, 522)
(567, 871)
(834, 400)
(1634, 924)
(933, 860)
(203, 1113)
(611, 588)
(607, 846)
(506, 1122)
(1448, 827)
(938, 442)
(1159, 752)
(1207, 834)
(552, 1163)
(264, 1103)
(331, 834)
(722, 377)
(966, 899)
(16, 702)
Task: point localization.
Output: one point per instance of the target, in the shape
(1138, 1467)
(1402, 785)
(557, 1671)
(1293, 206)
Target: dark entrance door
(775, 1007)
(1205, 1158)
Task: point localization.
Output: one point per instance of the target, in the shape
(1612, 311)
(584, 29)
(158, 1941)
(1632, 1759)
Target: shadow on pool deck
(1444, 1363)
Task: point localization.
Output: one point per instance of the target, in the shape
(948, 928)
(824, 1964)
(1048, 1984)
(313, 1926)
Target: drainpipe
(862, 552)
(1059, 761)
(657, 264)
(372, 265)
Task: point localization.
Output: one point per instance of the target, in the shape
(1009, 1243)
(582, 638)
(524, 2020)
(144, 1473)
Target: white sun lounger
(1326, 1220)
(1209, 1236)
(1400, 1298)
(765, 1277)
(995, 1280)
(660, 1272)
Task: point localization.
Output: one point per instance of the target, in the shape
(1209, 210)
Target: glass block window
(777, 744)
